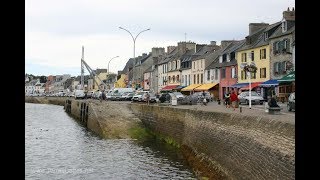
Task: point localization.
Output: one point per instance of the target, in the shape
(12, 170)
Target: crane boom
(92, 73)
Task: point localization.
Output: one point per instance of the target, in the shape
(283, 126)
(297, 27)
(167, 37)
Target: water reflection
(57, 147)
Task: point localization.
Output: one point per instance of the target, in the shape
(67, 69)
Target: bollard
(240, 109)
(266, 107)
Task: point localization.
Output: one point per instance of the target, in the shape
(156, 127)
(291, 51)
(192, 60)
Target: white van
(122, 90)
(79, 94)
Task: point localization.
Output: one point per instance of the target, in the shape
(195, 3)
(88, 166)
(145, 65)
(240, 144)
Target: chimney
(226, 43)
(184, 46)
(199, 46)
(170, 49)
(213, 43)
(254, 27)
(289, 15)
(157, 51)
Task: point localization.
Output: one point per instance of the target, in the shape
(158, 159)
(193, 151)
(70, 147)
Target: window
(276, 47)
(178, 80)
(252, 55)
(233, 72)
(284, 26)
(253, 75)
(201, 78)
(223, 73)
(263, 53)
(173, 79)
(194, 79)
(197, 78)
(244, 57)
(194, 65)
(276, 67)
(208, 75)
(189, 80)
(243, 75)
(263, 73)
(169, 78)
(232, 56)
(265, 36)
(224, 58)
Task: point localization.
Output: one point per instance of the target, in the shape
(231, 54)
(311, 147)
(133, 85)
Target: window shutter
(260, 53)
(275, 67)
(260, 72)
(284, 67)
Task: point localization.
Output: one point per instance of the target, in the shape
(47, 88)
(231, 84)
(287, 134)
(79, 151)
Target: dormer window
(265, 36)
(284, 26)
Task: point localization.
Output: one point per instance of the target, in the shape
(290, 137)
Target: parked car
(152, 98)
(79, 94)
(291, 102)
(165, 97)
(179, 96)
(126, 97)
(255, 98)
(137, 96)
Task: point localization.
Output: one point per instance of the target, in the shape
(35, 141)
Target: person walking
(234, 99)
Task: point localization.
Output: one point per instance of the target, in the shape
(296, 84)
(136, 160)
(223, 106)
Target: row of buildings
(189, 67)
(216, 68)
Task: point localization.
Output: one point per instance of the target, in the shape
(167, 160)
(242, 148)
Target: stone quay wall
(226, 146)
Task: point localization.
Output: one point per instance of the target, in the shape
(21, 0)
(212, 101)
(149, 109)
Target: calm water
(57, 147)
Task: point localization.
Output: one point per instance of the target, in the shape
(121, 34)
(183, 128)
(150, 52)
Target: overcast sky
(55, 30)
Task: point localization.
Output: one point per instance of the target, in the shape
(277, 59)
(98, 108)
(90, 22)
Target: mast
(82, 69)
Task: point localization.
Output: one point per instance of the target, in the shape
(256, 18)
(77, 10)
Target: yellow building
(258, 55)
(257, 50)
(120, 83)
(102, 76)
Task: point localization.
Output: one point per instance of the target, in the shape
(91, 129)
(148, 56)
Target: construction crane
(92, 73)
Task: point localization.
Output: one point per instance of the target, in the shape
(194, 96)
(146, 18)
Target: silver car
(255, 98)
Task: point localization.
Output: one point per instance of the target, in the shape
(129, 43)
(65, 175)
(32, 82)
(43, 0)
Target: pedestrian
(227, 99)
(103, 95)
(234, 99)
(147, 98)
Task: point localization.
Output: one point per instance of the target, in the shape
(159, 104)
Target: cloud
(56, 30)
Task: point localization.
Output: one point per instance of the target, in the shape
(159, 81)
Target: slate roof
(279, 33)
(148, 70)
(169, 56)
(213, 58)
(257, 38)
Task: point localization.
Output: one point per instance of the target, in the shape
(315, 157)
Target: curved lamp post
(134, 39)
(109, 63)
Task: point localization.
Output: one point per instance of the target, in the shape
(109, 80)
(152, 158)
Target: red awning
(169, 88)
(253, 85)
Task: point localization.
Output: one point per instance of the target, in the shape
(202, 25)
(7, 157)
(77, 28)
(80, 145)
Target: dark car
(291, 102)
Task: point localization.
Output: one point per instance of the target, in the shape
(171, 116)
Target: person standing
(227, 99)
(147, 98)
(234, 99)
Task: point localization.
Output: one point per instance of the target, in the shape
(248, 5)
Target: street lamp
(249, 69)
(134, 40)
(109, 64)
